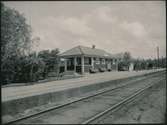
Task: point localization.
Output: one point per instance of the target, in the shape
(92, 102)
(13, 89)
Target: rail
(118, 105)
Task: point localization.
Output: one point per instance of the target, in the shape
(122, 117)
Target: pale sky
(134, 26)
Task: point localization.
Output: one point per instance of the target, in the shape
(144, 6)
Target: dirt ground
(150, 108)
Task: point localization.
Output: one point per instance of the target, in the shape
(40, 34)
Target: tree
(44, 55)
(15, 33)
(124, 64)
(30, 68)
(55, 59)
(51, 60)
(127, 56)
(15, 41)
(36, 67)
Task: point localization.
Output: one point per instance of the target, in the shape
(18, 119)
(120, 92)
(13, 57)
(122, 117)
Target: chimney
(93, 46)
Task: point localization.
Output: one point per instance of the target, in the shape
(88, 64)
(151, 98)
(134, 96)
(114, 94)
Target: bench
(102, 69)
(92, 70)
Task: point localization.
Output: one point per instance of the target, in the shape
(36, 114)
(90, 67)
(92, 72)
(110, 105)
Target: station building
(82, 59)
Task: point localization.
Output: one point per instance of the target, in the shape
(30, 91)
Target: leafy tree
(15, 41)
(15, 33)
(127, 56)
(36, 67)
(19, 63)
(51, 60)
(55, 59)
(124, 64)
(30, 68)
(163, 62)
(44, 55)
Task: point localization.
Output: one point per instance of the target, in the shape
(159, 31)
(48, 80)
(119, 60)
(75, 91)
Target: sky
(115, 26)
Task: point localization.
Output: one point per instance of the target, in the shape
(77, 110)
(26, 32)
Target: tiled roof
(72, 51)
(82, 50)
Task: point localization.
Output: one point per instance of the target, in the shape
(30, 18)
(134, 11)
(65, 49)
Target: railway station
(97, 62)
(83, 59)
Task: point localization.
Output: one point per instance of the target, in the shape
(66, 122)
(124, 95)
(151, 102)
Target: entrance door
(70, 64)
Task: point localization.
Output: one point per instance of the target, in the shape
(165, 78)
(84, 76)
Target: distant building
(81, 59)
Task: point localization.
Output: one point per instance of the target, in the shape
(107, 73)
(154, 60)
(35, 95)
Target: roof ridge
(89, 47)
(92, 49)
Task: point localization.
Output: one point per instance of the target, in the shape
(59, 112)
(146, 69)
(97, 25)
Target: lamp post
(157, 57)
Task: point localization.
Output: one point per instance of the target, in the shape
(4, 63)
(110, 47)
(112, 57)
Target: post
(75, 64)
(92, 62)
(82, 64)
(65, 65)
(116, 60)
(58, 65)
(157, 56)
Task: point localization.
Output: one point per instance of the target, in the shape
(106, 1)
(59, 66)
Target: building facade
(83, 59)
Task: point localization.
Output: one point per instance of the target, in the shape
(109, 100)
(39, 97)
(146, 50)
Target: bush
(123, 66)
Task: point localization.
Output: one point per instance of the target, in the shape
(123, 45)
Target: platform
(17, 99)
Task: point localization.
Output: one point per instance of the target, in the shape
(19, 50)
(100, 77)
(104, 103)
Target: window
(111, 61)
(70, 62)
(90, 61)
(78, 61)
(87, 61)
(97, 60)
(103, 61)
(107, 61)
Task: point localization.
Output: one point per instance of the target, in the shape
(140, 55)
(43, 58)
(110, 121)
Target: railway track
(117, 106)
(104, 93)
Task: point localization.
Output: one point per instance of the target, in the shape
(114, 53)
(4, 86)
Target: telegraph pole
(157, 56)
